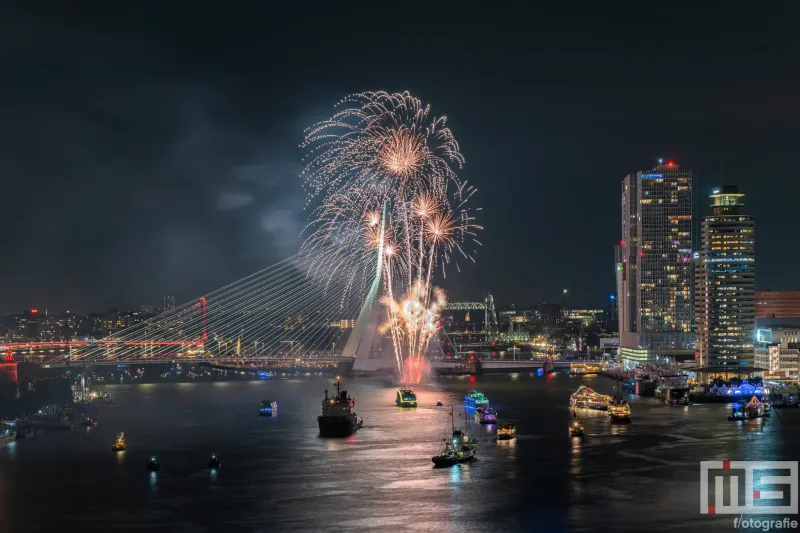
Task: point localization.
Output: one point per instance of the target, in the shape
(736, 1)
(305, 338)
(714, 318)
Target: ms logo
(738, 487)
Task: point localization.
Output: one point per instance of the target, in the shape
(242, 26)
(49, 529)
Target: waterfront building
(551, 316)
(778, 304)
(586, 317)
(653, 263)
(777, 350)
(725, 283)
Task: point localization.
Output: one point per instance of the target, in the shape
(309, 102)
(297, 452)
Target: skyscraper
(726, 283)
(169, 303)
(654, 269)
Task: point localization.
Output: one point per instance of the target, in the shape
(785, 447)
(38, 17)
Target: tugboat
(506, 432)
(119, 444)
(152, 464)
(485, 415)
(406, 398)
(337, 418)
(268, 408)
(214, 462)
(458, 449)
(475, 399)
(619, 410)
(575, 427)
(439, 404)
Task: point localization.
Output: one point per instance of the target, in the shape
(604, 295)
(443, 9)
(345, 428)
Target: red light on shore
(34, 311)
(670, 164)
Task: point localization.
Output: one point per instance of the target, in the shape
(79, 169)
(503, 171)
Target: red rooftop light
(670, 164)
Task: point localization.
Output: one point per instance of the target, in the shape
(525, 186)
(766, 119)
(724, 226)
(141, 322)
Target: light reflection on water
(280, 476)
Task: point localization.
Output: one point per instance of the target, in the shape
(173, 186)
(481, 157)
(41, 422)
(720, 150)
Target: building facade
(653, 262)
(726, 283)
(551, 316)
(777, 350)
(778, 304)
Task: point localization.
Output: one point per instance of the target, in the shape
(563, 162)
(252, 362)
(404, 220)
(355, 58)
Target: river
(278, 475)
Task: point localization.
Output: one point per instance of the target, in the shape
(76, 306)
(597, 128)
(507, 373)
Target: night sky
(151, 151)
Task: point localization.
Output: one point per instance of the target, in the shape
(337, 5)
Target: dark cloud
(149, 150)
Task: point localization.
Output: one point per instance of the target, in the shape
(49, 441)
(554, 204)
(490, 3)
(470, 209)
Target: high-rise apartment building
(726, 283)
(169, 303)
(654, 269)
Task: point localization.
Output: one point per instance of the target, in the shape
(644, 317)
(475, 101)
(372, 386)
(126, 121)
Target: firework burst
(381, 178)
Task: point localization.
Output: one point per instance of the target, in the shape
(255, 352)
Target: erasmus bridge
(280, 314)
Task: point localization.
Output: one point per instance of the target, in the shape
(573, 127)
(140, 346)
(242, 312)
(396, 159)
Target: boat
(755, 408)
(337, 418)
(685, 399)
(475, 399)
(485, 415)
(618, 409)
(119, 444)
(406, 398)
(782, 400)
(439, 404)
(506, 432)
(459, 448)
(575, 428)
(268, 408)
(587, 398)
(89, 421)
(7, 433)
(152, 464)
(214, 462)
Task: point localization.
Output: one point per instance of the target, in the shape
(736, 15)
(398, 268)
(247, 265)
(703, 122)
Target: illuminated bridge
(280, 314)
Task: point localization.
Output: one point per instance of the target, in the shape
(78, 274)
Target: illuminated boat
(575, 428)
(475, 399)
(755, 408)
(152, 465)
(618, 409)
(587, 398)
(214, 462)
(268, 408)
(459, 448)
(337, 418)
(506, 432)
(485, 415)
(406, 398)
(119, 444)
